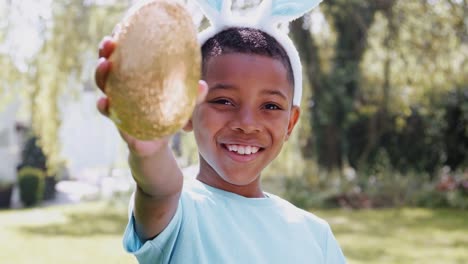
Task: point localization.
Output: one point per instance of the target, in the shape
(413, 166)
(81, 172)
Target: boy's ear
(189, 126)
(202, 91)
(293, 118)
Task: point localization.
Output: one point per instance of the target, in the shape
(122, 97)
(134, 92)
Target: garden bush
(33, 156)
(31, 185)
(379, 186)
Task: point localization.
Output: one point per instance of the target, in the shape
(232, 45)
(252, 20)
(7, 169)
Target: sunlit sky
(23, 34)
(25, 20)
(26, 17)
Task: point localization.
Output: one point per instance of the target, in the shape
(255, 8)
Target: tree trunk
(334, 93)
(305, 43)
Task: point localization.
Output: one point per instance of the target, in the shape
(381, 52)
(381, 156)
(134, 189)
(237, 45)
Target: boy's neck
(209, 176)
(239, 190)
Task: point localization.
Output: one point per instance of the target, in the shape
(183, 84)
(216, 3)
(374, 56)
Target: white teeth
(243, 150)
(248, 150)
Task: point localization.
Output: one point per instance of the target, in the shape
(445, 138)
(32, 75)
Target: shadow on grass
(391, 235)
(381, 222)
(83, 224)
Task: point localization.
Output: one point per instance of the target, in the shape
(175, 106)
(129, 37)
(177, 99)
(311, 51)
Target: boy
(245, 114)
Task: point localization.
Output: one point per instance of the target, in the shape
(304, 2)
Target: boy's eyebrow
(224, 86)
(275, 92)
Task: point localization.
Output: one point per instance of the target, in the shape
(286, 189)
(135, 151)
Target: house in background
(9, 151)
(89, 140)
(94, 154)
(9, 143)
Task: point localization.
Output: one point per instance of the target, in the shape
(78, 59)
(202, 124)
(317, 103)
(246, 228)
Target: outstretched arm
(154, 168)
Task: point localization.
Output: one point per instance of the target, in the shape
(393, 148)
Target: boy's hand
(137, 147)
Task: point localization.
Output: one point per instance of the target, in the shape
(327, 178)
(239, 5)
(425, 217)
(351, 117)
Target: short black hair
(247, 41)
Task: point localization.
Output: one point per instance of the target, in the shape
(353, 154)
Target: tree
(335, 91)
(64, 64)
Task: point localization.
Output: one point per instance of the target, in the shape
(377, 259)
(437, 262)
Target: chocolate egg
(156, 65)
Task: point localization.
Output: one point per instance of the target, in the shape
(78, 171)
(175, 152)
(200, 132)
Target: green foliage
(386, 187)
(379, 84)
(377, 186)
(70, 52)
(455, 136)
(385, 83)
(290, 162)
(421, 141)
(32, 155)
(31, 185)
(409, 146)
(415, 78)
(61, 68)
(449, 190)
(421, 43)
(317, 187)
(298, 192)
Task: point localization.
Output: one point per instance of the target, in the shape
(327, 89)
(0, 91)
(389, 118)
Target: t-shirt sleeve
(157, 250)
(333, 254)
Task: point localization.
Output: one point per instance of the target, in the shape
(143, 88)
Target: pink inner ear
(287, 10)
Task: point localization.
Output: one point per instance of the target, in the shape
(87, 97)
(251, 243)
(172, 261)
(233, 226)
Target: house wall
(9, 144)
(89, 141)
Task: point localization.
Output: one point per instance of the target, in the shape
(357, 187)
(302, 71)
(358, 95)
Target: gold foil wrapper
(153, 84)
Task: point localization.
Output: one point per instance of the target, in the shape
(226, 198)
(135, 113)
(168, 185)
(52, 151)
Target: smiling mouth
(242, 149)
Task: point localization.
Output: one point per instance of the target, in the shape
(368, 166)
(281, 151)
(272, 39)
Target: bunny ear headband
(269, 15)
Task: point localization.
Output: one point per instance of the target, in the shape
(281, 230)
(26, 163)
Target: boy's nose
(246, 122)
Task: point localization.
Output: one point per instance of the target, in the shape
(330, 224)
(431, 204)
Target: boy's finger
(101, 73)
(202, 91)
(103, 106)
(106, 47)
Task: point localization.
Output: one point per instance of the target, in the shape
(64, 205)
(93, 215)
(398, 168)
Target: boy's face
(245, 119)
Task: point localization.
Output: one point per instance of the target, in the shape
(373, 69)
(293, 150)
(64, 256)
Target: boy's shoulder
(291, 210)
(197, 191)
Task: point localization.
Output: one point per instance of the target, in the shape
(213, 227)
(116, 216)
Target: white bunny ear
(215, 10)
(275, 11)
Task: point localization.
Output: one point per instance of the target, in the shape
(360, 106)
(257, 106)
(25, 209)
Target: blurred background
(381, 151)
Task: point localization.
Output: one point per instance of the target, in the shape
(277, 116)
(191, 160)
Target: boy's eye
(221, 101)
(272, 107)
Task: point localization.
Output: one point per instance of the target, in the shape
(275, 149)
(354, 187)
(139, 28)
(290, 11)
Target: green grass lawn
(401, 236)
(84, 233)
(91, 233)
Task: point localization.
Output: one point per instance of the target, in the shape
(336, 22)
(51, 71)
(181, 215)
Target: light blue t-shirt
(214, 226)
